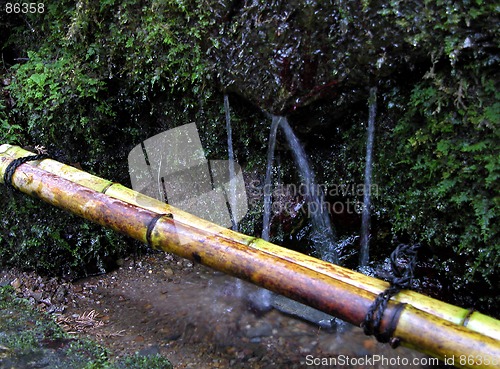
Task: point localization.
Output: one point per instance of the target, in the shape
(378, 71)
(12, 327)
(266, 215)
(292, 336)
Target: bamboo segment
(474, 321)
(332, 289)
(431, 335)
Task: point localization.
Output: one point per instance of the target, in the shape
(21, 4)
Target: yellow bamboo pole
(473, 320)
(262, 263)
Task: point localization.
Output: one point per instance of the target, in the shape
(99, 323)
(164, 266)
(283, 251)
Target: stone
(139, 338)
(37, 296)
(284, 55)
(294, 308)
(16, 283)
(60, 294)
(168, 272)
(262, 329)
(150, 351)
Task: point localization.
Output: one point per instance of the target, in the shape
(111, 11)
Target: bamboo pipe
(473, 320)
(415, 328)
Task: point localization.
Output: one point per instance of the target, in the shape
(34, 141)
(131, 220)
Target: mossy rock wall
(98, 77)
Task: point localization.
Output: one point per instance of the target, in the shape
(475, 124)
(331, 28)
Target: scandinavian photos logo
(171, 167)
(292, 198)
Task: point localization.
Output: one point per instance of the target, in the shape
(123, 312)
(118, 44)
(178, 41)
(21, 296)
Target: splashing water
(323, 236)
(364, 255)
(232, 169)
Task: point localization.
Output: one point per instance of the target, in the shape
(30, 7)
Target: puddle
(199, 318)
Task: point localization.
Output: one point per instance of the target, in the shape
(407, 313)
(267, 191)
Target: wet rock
(60, 294)
(173, 337)
(150, 351)
(262, 329)
(284, 55)
(37, 296)
(139, 338)
(16, 283)
(4, 352)
(259, 301)
(168, 272)
(294, 308)
(4, 282)
(41, 363)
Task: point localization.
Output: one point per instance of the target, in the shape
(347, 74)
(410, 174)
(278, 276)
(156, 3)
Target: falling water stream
(323, 237)
(364, 254)
(231, 162)
(322, 234)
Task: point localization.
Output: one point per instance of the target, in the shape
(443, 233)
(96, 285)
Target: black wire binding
(152, 224)
(401, 279)
(14, 164)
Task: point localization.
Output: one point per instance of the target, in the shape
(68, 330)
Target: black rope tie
(152, 224)
(401, 279)
(14, 164)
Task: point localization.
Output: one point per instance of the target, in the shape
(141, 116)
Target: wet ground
(197, 318)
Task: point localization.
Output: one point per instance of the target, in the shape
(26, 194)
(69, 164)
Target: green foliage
(20, 335)
(94, 88)
(154, 46)
(96, 357)
(137, 362)
(48, 91)
(440, 161)
(8, 132)
(454, 162)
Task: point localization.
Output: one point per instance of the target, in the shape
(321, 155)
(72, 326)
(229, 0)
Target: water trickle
(264, 297)
(266, 226)
(323, 237)
(232, 183)
(231, 162)
(365, 220)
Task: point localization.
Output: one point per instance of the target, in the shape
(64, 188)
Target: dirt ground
(197, 318)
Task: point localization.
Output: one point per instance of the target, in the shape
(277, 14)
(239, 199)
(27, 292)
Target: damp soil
(197, 318)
